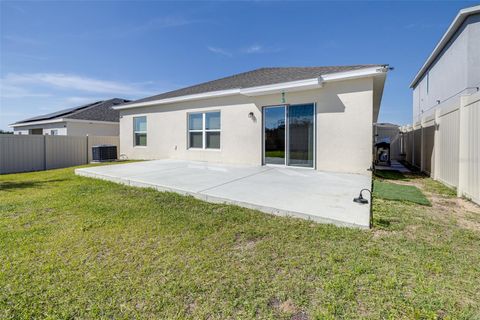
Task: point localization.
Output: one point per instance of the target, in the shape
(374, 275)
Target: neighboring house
(444, 138)
(314, 117)
(97, 119)
(452, 69)
(389, 133)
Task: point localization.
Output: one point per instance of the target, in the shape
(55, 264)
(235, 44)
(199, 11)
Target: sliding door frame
(287, 131)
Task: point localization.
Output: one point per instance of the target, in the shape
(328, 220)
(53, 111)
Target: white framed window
(140, 131)
(204, 130)
(54, 132)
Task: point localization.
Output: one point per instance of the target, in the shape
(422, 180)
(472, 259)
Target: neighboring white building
(314, 117)
(95, 119)
(452, 69)
(444, 138)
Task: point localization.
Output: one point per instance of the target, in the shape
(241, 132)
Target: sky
(55, 55)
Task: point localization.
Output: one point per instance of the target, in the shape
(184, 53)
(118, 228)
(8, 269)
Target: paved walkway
(395, 166)
(320, 196)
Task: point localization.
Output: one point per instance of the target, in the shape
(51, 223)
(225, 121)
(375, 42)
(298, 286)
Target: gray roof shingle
(257, 77)
(97, 111)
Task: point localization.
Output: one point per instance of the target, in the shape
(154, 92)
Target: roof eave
(58, 120)
(457, 22)
(299, 85)
(22, 124)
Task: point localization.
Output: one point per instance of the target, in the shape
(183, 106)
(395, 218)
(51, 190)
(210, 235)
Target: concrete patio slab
(320, 196)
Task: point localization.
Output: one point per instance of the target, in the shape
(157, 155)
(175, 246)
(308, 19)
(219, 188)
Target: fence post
(44, 152)
(422, 146)
(86, 162)
(412, 144)
(436, 145)
(462, 147)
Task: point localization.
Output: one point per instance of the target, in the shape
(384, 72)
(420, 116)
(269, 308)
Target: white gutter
(283, 87)
(306, 84)
(24, 124)
(457, 22)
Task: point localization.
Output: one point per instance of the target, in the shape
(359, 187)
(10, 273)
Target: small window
(204, 130)
(140, 131)
(54, 132)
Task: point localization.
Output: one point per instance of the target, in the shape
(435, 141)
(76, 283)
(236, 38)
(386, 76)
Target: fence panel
(448, 148)
(417, 147)
(428, 141)
(409, 146)
(471, 156)
(65, 151)
(21, 153)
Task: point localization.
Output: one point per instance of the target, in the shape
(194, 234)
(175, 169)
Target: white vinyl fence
(22, 153)
(447, 146)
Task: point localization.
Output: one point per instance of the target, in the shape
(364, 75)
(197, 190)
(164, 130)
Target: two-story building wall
(452, 69)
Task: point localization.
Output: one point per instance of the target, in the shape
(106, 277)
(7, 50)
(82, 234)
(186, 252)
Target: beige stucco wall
(343, 133)
(92, 129)
(61, 127)
(73, 128)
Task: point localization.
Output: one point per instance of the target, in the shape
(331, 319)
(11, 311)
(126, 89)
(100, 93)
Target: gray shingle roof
(257, 77)
(98, 111)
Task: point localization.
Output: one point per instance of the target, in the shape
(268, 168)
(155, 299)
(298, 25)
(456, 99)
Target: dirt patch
(417, 184)
(191, 307)
(381, 233)
(461, 210)
(411, 231)
(242, 244)
(288, 307)
(464, 212)
(245, 245)
(300, 316)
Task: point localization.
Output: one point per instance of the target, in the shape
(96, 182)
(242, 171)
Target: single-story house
(96, 119)
(312, 117)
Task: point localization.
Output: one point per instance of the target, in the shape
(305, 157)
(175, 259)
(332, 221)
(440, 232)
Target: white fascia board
(307, 84)
(283, 87)
(198, 96)
(90, 121)
(24, 124)
(354, 74)
(13, 125)
(457, 22)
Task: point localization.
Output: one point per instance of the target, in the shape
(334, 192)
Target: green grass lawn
(73, 247)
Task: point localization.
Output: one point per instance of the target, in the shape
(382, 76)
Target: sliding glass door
(289, 135)
(300, 135)
(274, 126)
